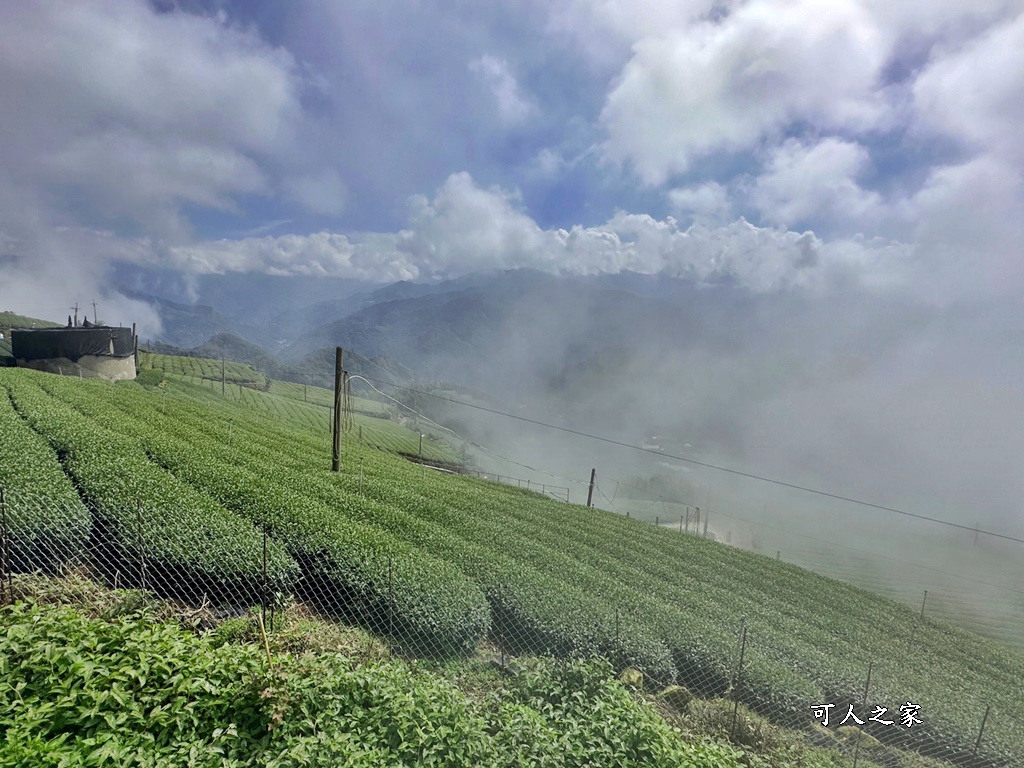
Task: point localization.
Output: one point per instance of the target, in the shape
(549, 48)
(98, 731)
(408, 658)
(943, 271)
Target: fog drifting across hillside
(877, 398)
(874, 397)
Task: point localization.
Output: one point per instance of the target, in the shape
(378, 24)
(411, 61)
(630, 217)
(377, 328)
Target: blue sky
(776, 143)
(830, 156)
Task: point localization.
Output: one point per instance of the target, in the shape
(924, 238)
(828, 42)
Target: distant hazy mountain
(580, 345)
(529, 330)
(267, 310)
(316, 368)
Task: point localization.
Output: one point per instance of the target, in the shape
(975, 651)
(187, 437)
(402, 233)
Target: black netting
(72, 343)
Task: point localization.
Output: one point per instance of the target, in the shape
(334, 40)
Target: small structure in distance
(87, 350)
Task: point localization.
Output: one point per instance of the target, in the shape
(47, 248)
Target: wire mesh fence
(174, 554)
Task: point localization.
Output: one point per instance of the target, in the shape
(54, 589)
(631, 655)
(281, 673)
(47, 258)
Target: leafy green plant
(133, 692)
(557, 578)
(47, 523)
(147, 526)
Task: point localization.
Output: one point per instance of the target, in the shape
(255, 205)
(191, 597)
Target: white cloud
(968, 226)
(946, 20)
(976, 93)
(630, 20)
(320, 253)
(465, 228)
(116, 115)
(60, 272)
(548, 163)
(804, 182)
(707, 202)
(722, 86)
(513, 106)
(134, 113)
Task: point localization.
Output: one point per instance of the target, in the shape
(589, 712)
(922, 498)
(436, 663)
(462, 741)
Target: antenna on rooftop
(95, 317)
(75, 308)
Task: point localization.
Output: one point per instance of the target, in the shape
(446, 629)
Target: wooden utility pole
(339, 354)
(590, 493)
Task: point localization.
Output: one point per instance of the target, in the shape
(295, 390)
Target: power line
(836, 544)
(598, 487)
(868, 552)
(464, 439)
(706, 465)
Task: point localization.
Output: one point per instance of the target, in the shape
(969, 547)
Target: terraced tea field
(457, 560)
(973, 582)
(289, 403)
(199, 368)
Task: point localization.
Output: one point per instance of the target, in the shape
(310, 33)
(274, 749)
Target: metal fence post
(5, 566)
(860, 733)
(981, 731)
(501, 636)
(739, 679)
(263, 595)
(391, 599)
(867, 685)
(141, 545)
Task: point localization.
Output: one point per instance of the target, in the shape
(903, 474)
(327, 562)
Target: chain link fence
(175, 555)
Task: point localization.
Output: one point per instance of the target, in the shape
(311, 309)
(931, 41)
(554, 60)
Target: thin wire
(403, 405)
(719, 468)
(598, 487)
(465, 439)
(658, 500)
(868, 552)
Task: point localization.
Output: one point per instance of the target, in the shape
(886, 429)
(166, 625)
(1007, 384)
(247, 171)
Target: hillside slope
(442, 563)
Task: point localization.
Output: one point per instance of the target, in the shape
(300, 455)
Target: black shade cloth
(72, 343)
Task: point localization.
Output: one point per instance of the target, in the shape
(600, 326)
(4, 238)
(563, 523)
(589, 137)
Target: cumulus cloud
(130, 113)
(118, 116)
(975, 93)
(132, 120)
(707, 202)
(318, 254)
(723, 85)
(968, 226)
(465, 228)
(605, 30)
(803, 182)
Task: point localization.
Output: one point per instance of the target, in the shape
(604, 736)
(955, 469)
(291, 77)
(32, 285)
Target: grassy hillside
(455, 562)
(13, 320)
